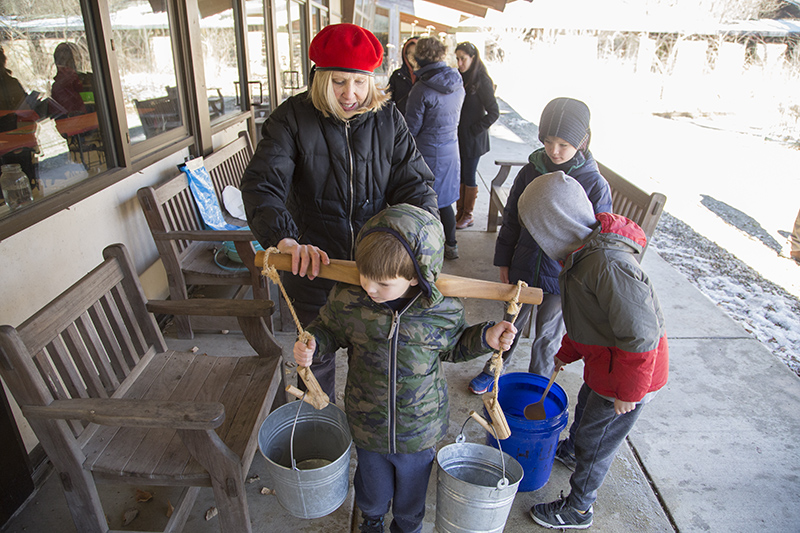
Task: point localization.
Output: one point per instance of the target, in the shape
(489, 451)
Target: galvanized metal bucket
(476, 487)
(308, 456)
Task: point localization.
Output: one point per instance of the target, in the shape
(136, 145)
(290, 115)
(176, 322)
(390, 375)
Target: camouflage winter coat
(396, 393)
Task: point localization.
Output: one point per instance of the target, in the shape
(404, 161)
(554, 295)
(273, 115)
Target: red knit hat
(346, 47)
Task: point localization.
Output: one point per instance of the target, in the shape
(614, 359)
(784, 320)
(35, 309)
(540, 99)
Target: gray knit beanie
(567, 119)
(555, 210)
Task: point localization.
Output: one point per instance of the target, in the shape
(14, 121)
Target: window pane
(48, 119)
(143, 41)
(319, 19)
(292, 47)
(381, 31)
(257, 59)
(219, 57)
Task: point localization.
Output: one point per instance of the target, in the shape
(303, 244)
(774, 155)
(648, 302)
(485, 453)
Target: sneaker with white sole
(560, 515)
(564, 456)
(481, 383)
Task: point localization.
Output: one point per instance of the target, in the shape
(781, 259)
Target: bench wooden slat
(176, 457)
(118, 330)
(102, 363)
(89, 373)
(110, 345)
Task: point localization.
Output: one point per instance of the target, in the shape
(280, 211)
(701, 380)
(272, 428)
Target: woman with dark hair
(478, 113)
(432, 114)
(403, 78)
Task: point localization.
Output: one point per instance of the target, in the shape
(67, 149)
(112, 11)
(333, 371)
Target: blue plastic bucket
(532, 442)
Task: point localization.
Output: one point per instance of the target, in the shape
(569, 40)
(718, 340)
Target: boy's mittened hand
(501, 335)
(304, 353)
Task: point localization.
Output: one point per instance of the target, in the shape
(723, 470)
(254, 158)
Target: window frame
(123, 158)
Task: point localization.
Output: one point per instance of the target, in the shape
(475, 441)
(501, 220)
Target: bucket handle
(291, 438)
(460, 439)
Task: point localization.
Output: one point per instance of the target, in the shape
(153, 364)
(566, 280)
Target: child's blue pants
(399, 479)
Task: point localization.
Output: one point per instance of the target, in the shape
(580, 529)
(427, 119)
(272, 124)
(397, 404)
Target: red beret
(346, 47)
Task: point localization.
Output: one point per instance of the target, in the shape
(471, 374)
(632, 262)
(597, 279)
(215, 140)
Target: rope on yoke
(499, 423)
(514, 308)
(316, 396)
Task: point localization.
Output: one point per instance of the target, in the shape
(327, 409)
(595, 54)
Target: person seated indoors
(69, 83)
(398, 329)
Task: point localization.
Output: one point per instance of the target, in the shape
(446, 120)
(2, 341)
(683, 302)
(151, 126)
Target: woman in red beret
(330, 159)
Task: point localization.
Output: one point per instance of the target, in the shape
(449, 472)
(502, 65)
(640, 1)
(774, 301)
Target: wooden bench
(110, 403)
(188, 250)
(627, 199)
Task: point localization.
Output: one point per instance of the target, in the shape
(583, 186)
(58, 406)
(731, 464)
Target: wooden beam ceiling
(421, 23)
(473, 7)
(465, 6)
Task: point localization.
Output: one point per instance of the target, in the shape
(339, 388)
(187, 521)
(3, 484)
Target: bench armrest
(133, 413)
(204, 235)
(213, 307)
(510, 163)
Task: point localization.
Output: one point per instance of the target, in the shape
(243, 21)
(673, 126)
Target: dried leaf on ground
(266, 492)
(143, 496)
(211, 513)
(170, 509)
(129, 515)
(253, 479)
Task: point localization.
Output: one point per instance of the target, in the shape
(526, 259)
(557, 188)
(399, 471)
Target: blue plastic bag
(208, 205)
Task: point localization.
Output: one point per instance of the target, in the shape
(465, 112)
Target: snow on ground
(761, 307)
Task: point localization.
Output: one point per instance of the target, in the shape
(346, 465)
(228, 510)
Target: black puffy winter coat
(479, 112)
(318, 179)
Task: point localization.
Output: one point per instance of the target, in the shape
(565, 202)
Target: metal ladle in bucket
(535, 411)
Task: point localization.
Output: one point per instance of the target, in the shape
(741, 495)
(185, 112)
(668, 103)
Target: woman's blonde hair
(324, 99)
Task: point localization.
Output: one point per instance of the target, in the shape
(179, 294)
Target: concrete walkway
(715, 451)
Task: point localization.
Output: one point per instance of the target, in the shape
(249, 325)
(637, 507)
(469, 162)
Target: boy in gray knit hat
(565, 134)
(613, 322)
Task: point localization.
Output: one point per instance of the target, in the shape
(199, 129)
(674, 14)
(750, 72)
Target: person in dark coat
(478, 113)
(564, 131)
(432, 113)
(329, 160)
(403, 78)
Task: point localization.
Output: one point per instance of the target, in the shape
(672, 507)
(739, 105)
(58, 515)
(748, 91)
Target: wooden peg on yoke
(314, 393)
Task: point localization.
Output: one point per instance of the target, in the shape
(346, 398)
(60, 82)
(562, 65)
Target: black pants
(448, 217)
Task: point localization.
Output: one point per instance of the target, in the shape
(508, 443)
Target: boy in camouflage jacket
(397, 328)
